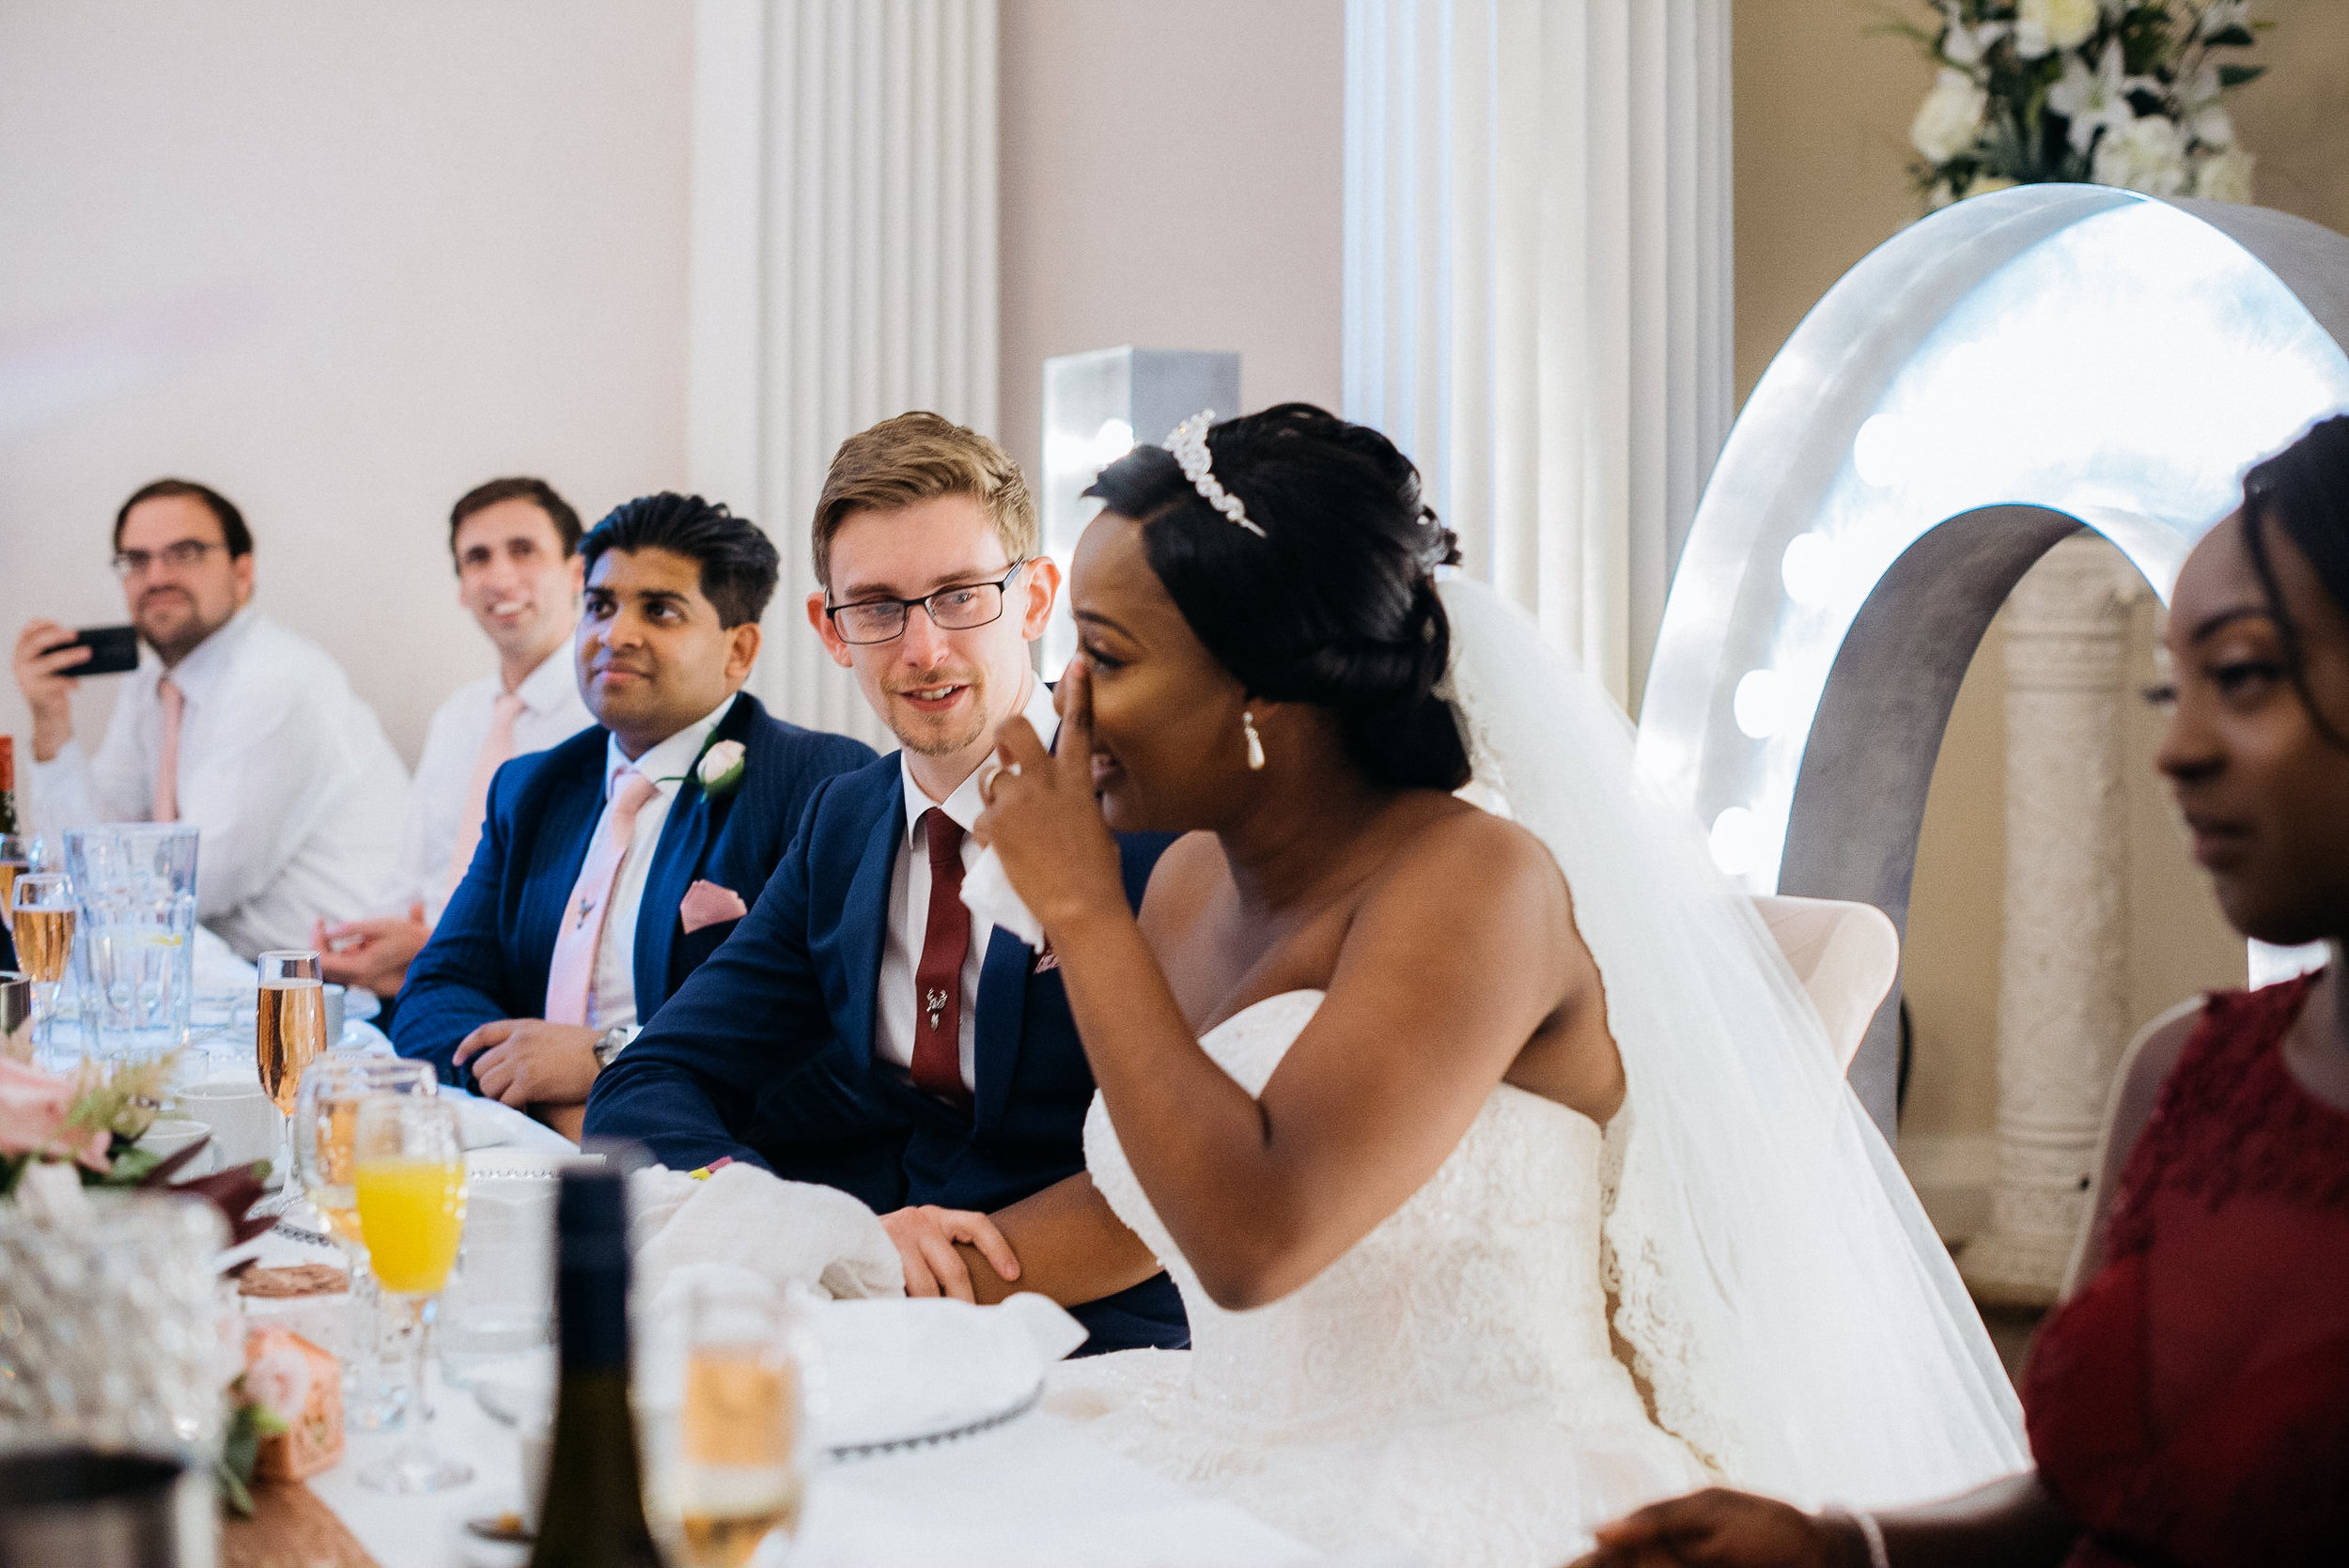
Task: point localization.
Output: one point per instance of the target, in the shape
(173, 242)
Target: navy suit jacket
(489, 956)
(766, 1052)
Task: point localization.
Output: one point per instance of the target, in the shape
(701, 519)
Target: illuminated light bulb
(1810, 570)
(1737, 841)
(1880, 451)
(1760, 703)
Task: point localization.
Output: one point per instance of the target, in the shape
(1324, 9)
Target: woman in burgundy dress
(2189, 1405)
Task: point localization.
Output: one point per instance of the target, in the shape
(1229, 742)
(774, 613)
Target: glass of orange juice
(326, 1155)
(408, 1174)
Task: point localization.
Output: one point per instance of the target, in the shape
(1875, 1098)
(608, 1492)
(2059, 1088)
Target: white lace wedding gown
(1447, 1385)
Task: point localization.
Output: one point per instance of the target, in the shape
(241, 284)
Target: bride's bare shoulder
(1187, 875)
(1460, 845)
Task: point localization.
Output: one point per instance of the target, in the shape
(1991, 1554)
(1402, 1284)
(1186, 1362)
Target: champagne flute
(43, 929)
(19, 854)
(409, 1177)
(325, 1147)
(288, 1031)
(740, 1466)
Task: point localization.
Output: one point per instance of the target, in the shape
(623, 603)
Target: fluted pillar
(2062, 986)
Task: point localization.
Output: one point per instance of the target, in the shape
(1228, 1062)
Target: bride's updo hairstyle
(1336, 605)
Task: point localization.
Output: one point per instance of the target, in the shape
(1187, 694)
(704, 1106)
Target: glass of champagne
(325, 1147)
(740, 1454)
(19, 854)
(409, 1178)
(288, 1031)
(42, 902)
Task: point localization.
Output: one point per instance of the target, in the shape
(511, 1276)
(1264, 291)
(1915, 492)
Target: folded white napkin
(790, 1234)
(986, 892)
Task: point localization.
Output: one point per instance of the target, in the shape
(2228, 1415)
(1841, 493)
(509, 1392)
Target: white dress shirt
(299, 795)
(910, 909)
(551, 713)
(612, 994)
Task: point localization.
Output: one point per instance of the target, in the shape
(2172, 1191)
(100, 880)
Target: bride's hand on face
(1042, 819)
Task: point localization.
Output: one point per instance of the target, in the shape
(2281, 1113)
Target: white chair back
(1846, 954)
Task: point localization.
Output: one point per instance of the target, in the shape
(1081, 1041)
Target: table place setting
(367, 1344)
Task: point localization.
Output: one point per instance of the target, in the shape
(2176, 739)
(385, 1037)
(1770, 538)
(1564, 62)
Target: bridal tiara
(1188, 443)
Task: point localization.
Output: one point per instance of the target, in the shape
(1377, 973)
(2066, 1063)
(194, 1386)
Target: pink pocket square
(708, 903)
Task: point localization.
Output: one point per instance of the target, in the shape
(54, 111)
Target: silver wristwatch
(608, 1044)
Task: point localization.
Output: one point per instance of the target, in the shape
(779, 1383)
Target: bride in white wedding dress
(1501, 1199)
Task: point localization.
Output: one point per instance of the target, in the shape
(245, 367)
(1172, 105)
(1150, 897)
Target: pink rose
(33, 1108)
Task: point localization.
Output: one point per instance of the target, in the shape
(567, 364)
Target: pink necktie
(175, 704)
(497, 749)
(573, 969)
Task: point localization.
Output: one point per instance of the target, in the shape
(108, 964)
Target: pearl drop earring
(1255, 742)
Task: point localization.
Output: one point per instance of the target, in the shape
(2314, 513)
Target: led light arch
(1990, 379)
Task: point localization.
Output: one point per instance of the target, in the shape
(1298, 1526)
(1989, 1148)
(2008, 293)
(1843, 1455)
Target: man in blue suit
(613, 863)
(855, 1030)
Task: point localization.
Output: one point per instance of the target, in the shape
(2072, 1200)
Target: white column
(2064, 968)
(1537, 287)
(844, 266)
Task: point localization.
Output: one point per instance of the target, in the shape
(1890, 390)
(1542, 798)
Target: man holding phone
(238, 726)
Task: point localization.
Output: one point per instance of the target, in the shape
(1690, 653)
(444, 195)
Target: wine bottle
(7, 784)
(594, 1516)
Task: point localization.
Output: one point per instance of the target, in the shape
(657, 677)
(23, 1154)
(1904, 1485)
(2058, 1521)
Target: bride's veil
(1787, 1305)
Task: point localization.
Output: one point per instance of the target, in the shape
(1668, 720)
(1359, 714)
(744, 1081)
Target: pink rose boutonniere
(720, 768)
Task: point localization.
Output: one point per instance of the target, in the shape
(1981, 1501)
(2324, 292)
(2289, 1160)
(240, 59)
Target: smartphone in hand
(114, 650)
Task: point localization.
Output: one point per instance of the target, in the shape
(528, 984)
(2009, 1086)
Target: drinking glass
(135, 948)
(740, 1454)
(409, 1177)
(19, 854)
(289, 1033)
(325, 1147)
(43, 929)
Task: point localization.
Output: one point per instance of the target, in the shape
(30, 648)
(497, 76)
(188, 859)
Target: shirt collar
(664, 764)
(543, 689)
(963, 806)
(199, 674)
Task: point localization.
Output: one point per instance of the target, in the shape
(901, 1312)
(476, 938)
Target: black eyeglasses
(186, 555)
(955, 609)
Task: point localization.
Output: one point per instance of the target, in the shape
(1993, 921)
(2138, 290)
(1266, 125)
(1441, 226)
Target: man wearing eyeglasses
(236, 725)
(855, 1030)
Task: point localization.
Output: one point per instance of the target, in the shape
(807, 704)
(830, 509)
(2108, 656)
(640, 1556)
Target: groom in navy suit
(613, 864)
(855, 1030)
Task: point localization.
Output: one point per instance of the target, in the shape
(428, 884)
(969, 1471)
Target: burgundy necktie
(937, 981)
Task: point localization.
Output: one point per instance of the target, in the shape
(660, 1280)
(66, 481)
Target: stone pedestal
(2063, 992)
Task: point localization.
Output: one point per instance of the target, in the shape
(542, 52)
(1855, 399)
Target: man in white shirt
(237, 725)
(514, 543)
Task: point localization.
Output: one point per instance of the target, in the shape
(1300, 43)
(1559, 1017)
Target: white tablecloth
(1030, 1493)
(1033, 1493)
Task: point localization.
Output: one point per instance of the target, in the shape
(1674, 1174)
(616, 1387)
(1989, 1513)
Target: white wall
(1173, 179)
(342, 261)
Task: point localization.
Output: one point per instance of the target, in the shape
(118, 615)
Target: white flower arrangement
(720, 768)
(2118, 92)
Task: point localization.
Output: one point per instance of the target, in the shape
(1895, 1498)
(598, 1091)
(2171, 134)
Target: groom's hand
(926, 1238)
(1043, 822)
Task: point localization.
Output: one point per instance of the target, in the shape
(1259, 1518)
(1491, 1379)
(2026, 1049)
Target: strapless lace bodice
(1447, 1383)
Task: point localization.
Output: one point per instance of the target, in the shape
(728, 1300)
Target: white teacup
(244, 1122)
(166, 1136)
